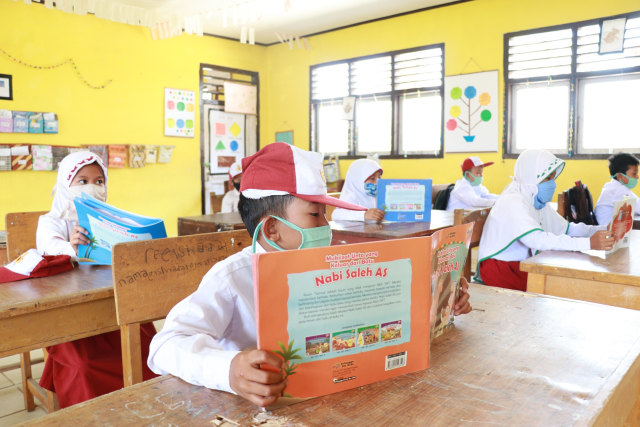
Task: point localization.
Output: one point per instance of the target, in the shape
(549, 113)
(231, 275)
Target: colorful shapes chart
(226, 140)
(179, 112)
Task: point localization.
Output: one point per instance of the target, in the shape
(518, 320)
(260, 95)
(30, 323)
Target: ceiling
(265, 21)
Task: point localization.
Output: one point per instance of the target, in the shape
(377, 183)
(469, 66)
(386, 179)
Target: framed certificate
(405, 200)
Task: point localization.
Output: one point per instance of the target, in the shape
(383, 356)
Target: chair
(478, 217)
(21, 236)
(330, 208)
(440, 195)
(216, 202)
(179, 263)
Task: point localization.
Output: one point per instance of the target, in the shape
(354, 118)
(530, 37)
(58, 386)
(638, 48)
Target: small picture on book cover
(450, 248)
(100, 151)
(136, 156)
(621, 223)
(117, 156)
(21, 158)
(42, 157)
(5, 158)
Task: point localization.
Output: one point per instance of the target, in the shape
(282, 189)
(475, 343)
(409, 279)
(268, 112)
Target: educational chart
(347, 315)
(471, 112)
(226, 140)
(405, 200)
(179, 112)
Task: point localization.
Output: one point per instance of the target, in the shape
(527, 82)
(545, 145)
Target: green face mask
(474, 180)
(632, 181)
(315, 237)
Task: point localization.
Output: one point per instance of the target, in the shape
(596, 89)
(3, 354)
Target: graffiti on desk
(157, 409)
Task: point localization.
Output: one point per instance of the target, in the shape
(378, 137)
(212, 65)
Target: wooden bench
(151, 276)
(21, 236)
(478, 217)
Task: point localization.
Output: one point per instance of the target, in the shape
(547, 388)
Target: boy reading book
(206, 337)
(623, 169)
(469, 193)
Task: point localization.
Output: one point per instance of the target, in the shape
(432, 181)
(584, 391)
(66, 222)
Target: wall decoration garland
(51, 67)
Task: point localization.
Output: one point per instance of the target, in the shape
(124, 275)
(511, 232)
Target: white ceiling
(270, 18)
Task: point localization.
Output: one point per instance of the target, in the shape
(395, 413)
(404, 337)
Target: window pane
(373, 125)
(609, 112)
(330, 81)
(540, 117)
(371, 76)
(420, 123)
(333, 130)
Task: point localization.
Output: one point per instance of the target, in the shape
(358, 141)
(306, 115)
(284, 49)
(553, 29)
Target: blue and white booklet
(405, 200)
(108, 225)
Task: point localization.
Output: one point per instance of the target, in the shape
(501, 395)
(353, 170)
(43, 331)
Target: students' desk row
(517, 359)
(209, 223)
(612, 279)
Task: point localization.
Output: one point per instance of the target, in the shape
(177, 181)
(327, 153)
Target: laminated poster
(345, 316)
(405, 200)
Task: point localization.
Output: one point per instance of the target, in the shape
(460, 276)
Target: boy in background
(232, 197)
(623, 168)
(206, 336)
(469, 193)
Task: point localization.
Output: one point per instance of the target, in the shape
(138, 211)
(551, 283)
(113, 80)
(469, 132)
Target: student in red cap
(232, 197)
(89, 367)
(282, 203)
(469, 193)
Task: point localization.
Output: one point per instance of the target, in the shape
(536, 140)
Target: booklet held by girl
(345, 316)
(108, 225)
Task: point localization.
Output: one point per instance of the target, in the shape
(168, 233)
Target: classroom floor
(12, 409)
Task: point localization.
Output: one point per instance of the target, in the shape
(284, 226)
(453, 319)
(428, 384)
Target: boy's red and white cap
(280, 168)
(473, 161)
(234, 170)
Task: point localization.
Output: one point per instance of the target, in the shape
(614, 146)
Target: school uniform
(467, 196)
(353, 190)
(230, 201)
(89, 367)
(613, 191)
(516, 230)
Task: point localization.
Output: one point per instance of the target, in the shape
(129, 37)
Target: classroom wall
(128, 111)
(469, 30)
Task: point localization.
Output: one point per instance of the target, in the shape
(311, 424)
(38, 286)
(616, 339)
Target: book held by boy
(405, 200)
(349, 315)
(621, 223)
(108, 225)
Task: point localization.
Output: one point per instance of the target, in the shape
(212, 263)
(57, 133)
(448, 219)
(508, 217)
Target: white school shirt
(230, 201)
(467, 196)
(53, 235)
(612, 191)
(203, 332)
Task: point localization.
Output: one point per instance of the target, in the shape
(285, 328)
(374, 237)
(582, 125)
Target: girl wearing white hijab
(89, 367)
(360, 188)
(58, 231)
(521, 223)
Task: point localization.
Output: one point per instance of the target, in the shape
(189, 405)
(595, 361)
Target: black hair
(253, 210)
(620, 163)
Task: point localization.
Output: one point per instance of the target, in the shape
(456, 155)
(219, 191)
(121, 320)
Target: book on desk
(108, 225)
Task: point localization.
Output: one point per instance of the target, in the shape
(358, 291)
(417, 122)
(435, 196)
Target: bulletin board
(226, 140)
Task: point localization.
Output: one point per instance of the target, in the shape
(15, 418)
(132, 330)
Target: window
(566, 97)
(397, 110)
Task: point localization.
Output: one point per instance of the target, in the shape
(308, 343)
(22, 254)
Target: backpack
(442, 198)
(578, 205)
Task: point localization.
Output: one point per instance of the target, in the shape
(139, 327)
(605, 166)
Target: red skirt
(503, 274)
(89, 367)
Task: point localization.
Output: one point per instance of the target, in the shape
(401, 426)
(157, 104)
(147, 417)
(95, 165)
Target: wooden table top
(229, 218)
(621, 266)
(394, 230)
(516, 359)
(83, 283)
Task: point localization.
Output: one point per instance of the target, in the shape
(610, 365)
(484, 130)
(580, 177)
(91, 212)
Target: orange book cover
(621, 223)
(449, 248)
(345, 316)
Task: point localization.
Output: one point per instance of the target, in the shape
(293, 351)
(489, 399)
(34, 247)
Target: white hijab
(353, 189)
(514, 214)
(54, 232)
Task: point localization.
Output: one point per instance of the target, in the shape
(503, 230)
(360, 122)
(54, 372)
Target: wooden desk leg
(131, 354)
(536, 283)
(25, 367)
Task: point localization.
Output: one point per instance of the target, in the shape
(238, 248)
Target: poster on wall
(179, 112)
(471, 112)
(240, 98)
(226, 140)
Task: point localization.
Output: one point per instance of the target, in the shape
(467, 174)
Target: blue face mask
(371, 189)
(631, 183)
(315, 237)
(546, 190)
(474, 180)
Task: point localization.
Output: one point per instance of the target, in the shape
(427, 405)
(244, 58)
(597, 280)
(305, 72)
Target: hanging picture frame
(612, 35)
(285, 136)
(6, 87)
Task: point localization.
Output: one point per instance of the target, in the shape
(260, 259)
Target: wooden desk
(517, 359)
(613, 280)
(361, 231)
(209, 223)
(51, 310)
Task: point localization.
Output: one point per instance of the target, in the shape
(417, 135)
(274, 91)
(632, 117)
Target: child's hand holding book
(258, 376)
(462, 305)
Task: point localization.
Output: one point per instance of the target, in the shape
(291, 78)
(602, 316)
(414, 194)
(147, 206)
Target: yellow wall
(468, 30)
(129, 110)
